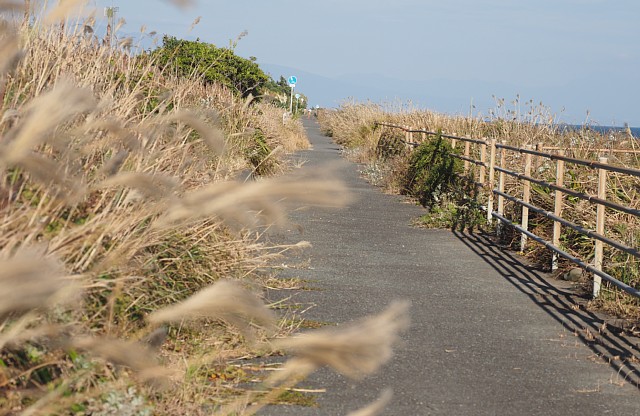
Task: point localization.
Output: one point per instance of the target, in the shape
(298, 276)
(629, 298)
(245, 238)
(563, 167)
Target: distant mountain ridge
(457, 96)
(330, 92)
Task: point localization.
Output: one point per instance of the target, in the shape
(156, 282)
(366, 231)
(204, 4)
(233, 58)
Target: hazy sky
(576, 54)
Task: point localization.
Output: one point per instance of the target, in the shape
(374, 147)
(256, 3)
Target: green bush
(432, 171)
(437, 180)
(213, 64)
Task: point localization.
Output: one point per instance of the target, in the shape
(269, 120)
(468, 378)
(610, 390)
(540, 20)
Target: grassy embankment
(450, 198)
(129, 257)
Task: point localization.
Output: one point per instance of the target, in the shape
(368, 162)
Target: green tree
(213, 64)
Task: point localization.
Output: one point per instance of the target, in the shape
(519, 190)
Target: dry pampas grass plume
(150, 185)
(225, 300)
(183, 3)
(41, 117)
(126, 43)
(29, 281)
(212, 135)
(236, 201)
(354, 350)
(11, 5)
(195, 23)
(10, 52)
(131, 354)
(376, 407)
(63, 10)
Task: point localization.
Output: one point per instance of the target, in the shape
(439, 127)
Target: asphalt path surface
(489, 335)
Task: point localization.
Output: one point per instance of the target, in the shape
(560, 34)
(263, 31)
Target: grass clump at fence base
(432, 171)
(354, 126)
(436, 179)
(127, 253)
(263, 158)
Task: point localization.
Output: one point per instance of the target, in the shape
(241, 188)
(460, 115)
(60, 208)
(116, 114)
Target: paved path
(489, 336)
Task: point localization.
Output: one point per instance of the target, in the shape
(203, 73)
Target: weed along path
(488, 336)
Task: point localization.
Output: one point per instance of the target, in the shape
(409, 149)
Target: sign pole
(293, 80)
(291, 100)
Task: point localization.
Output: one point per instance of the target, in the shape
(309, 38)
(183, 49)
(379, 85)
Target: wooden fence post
(501, 178)
(599, 246)
(492, 180)
(467, 152)
(526, 197)
(559, 200)
(501, 185)
(483, 160)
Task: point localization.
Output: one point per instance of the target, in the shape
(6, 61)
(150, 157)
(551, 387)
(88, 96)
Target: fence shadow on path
(620, 351)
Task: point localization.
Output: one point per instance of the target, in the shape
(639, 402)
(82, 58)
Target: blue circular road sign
(293, 79)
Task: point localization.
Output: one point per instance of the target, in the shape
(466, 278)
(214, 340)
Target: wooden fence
(490, 172)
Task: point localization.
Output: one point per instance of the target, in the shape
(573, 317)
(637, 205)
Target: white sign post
(293, 80)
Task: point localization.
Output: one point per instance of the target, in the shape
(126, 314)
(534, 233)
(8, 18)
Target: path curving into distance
(488, 335)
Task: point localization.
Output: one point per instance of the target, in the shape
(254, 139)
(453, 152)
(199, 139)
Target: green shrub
(214, 65)
(432, 171)
(436, 179)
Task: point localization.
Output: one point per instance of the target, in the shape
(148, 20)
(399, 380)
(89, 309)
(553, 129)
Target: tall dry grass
(126, 247)
(517, 124)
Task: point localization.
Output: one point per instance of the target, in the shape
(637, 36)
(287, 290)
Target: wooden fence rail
(492, 160)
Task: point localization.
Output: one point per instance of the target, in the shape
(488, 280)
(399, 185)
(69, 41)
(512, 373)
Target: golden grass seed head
(156, 186)
(6, 5)
(42, 116)
(183, 3)
(195, 23)
(212, 135)
(30, 281)
(10, 52)
(126, 43)
(235, 200)
(375, 408)
(63, 10)
(224, 300)
(121, 22)
(354, 350)
(134, 355)
(113, 165)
